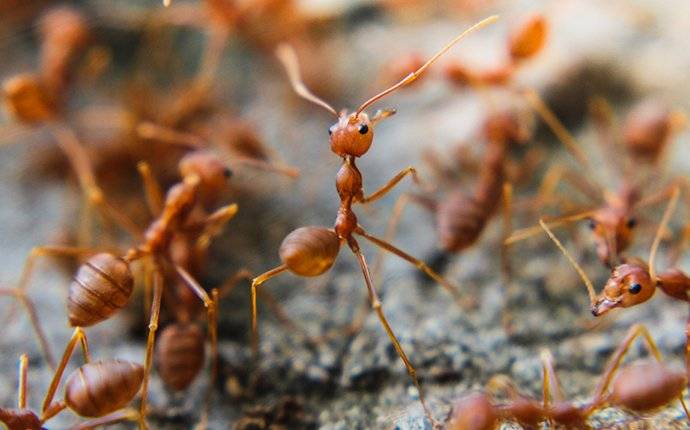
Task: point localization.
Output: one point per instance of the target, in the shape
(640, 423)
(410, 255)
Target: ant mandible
(640, 387)
(311, 251)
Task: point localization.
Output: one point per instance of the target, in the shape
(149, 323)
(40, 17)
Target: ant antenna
(583, 275)
(286, 54)
(662, 226)
(414, 75)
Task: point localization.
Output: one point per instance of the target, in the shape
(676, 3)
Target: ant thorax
(351, 135)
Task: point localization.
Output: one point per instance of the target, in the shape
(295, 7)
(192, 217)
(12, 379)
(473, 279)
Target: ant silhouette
(311, 251)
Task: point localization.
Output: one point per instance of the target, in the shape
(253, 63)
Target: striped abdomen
(180, 354)
(99, 388)
(101, 287)
(460, 219)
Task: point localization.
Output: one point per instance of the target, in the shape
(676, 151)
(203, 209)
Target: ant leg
(21, 297)
(128, 414)
(256, 282)
(20, 292)
(637, 330)
(152, 189)
(451, 288)
(214, 223)
(376, 305)
(153, 327)
(507, 227)
(152, 131)
(77, 156)
(527, 232)
(392, 183)
(552, 386)
(555, 174)
(23, 381)
(229, 284)
(503, 383)
(49, 409)
(393, 222)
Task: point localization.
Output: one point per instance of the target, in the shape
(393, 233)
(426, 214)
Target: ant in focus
(642, 386)
(97, 390)
(634, 281)
(311, 251)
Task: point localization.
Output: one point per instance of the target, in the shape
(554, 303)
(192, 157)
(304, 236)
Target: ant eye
(330, 131)
(635, 288)
(632, 222)
(592, 224)
(363, 129)
(227, 172)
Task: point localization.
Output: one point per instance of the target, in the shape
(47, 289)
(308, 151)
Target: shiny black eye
(330, 131)
(592, 224)
(632, 222)
(635, 288)
(363, 129)
(227, 172)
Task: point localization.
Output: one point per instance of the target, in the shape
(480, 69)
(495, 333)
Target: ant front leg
(152, 189)
(376, 305)
(391, 184)
(213, 225)
(116, 417)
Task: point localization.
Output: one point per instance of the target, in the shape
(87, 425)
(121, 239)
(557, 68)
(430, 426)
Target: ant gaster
(311, 251)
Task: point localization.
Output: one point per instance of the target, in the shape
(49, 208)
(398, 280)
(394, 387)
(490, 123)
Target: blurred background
(206, 70)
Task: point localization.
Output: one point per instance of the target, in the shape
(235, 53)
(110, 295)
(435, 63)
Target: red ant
(98, 390)
(640, 387)
(311, 251)
(634, 281)
(612, 224)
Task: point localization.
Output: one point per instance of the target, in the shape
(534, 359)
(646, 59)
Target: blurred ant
(613, 223)
(634, 281)
(104, 283)
(640, 387)
(311, 251)
(97, 390)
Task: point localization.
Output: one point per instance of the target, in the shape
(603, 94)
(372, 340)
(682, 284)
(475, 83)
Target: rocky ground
(619, 50)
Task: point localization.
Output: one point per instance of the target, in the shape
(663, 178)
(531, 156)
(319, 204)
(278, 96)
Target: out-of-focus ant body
(640, 387)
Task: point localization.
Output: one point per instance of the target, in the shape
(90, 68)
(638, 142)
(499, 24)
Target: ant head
(646, 385)
(473, 412)
(211, 171)
(612, 230)
(351, 135)
(27, 99)
(630, 284)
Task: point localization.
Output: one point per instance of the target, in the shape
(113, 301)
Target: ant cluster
(163, 254)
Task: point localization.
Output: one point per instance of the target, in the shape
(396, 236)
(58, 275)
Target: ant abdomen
(646, 385)
(180, 354)
(473, 412)
(22, 419)
(99, 388)
(309, 251)
(101, 287)
(460, 220)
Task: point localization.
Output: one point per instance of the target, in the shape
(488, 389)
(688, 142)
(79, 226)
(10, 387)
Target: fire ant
(613, 223)
(104, 283)
(311, 251)
(640, 387)
(634, 281)
(99, 390)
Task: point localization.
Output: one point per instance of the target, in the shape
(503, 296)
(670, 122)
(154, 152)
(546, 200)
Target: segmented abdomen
(180, 354)
(460, 219)
(101, 287)
(99, 388)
